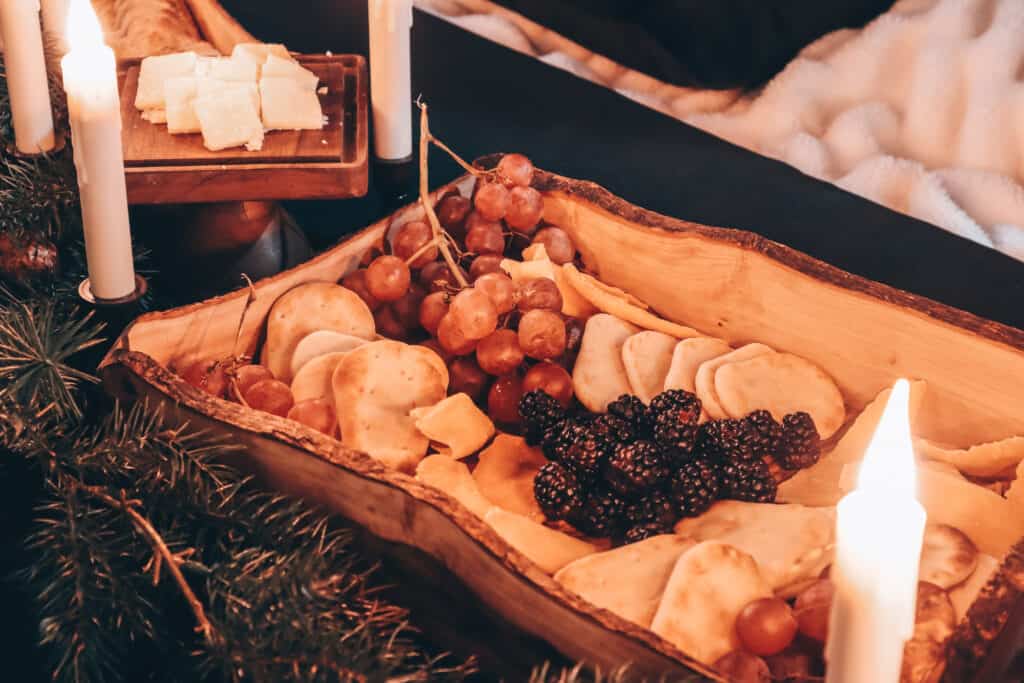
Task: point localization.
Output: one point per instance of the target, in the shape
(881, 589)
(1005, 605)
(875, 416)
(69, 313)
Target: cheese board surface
(736, 285)
(331, 163)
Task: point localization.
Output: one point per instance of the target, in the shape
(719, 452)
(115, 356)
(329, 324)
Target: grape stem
(428, 206)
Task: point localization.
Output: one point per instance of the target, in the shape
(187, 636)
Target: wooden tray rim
(315, 444)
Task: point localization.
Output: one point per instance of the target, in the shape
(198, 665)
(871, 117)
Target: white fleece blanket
(921, 111)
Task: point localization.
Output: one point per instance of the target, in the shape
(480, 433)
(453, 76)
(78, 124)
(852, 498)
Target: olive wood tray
(732, 284)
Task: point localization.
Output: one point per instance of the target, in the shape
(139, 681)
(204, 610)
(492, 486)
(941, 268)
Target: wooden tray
(734, 284)
(326, 164)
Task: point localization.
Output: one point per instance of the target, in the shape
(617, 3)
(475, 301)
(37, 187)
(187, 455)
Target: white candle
(390, 80)
(94, 108)
(25, 64)
(55, 20)
(879, 530)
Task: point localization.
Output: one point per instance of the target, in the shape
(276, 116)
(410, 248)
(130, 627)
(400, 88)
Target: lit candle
(90, 79)
(25, 64)
(879, 530)
(390, 80)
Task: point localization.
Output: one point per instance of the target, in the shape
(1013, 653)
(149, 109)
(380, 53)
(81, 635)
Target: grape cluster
(635, 471)
(501, 338)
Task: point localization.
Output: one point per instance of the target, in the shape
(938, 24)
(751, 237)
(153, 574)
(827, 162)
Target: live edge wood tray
(732, 284)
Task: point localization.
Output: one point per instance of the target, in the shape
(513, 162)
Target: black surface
(485, 98)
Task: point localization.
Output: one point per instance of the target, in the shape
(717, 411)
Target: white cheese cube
(180, 93)
(289, 106)
(154, 115)
(212, 86)
(277, 67)
(154, 71)
(227, 69)
(258, 52)
(229, 119)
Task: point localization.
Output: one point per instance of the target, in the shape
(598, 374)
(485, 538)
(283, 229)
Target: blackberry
(601, 513)
(800, 445)
(559, 437)
(750, 481)
(586, 455)
(679, 437)
(694, 487)
(557, 491)
(612, 429)
(654, 507)
(725, 440)
(540, 412)
(764, 433)
(644, 531)
(636, 468)
(683, 405)
(633, 411)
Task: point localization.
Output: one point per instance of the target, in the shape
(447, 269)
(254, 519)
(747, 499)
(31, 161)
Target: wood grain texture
(327, 164)
(732, 284)
(139, 28)
(217, 26)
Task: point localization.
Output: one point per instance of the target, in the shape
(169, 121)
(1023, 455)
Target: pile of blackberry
(635, 471)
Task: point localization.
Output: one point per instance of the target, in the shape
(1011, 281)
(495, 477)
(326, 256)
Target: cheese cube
(277, 67)
(154, 115)
(180, 93)
(227, 69)
(258, 52)
(229, 118)
(154, 71)
(289, 106)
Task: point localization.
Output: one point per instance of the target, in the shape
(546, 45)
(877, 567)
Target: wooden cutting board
(331, 163)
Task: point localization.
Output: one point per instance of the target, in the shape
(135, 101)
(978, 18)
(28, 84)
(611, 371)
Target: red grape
(485, 239)
(573, 334)
(525, 209)
(557, 243)
(742, 667)
(246, 376)
(437, 276)
(491, 201)
(542, 334)
(498, 353)
(316, 413)
(812, 609)
(271, 396)
(436, 347)
(766, 626)
(483, 264)
(501, 290)
(433, 307)
(209, 376)
(388, 323)
(407, 309)
(356, 281)
(411, 238)
(539, 293)
(552, 379)
(452, 212)
(473, 312)
(468, 378)
(451, 338)
(388, 278)
(503, 399)
(515, 169)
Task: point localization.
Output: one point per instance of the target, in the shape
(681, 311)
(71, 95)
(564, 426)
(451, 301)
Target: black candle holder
(116, 313)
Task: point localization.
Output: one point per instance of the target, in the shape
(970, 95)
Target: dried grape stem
(428, 207)
(459, 160)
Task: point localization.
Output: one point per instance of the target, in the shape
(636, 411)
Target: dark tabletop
(485, 98)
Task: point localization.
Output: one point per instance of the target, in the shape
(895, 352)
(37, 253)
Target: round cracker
(780, 383)
(599, 376)
(314, 379)
(948, 556)
(704, 381)
(646, 357)
(308, 308)
(687, 357)
(320, 342)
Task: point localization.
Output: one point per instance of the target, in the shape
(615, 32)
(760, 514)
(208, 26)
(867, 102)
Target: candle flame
(83, 28)
(888, 465)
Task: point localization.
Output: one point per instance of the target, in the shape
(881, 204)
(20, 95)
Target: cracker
(599, 376)
(320, 342)
(456, 426)
(453, 477)
(984, 460)
(780, 383)
(646, 356)
(286, 105)
(313, 380)
(550, 550)
(948, 557)
(791, 543)
(704, 380)
(308, 308)
(597, 293)
(629, 580)
(154, 71)
(505, 475)
(376, 388)
(709, 586)
(687, 357)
